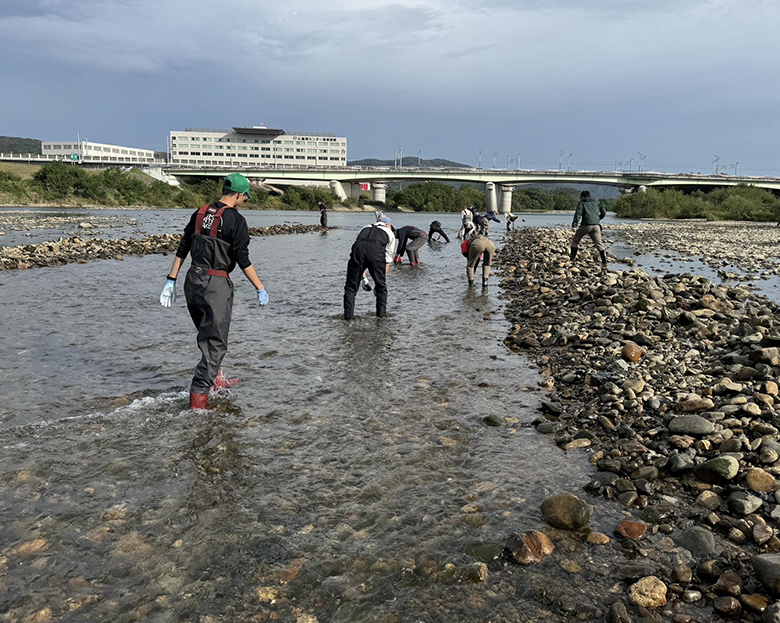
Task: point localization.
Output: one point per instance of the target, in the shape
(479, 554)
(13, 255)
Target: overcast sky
(677, 80)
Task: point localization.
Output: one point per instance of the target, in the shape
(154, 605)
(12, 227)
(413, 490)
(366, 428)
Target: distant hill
(407, 161)
(9, 144)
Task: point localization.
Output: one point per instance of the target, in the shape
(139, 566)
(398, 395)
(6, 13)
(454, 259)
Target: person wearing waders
(373, 250)
(467, 218)
(588, 215)
(323, 215)
(436, 228)
(410, 239)
(473, 249)
(217, 238)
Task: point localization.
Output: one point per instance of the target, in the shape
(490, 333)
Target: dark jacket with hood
(589, 211)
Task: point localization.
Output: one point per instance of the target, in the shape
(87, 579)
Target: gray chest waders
(209, 293)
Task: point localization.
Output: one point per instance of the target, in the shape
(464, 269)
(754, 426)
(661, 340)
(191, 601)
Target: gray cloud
(573, 68)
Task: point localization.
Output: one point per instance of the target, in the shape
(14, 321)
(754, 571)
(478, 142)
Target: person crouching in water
(588, 215)
(436, 228)
(217, 238)
(410, 239)
(373, 250)
(474, 248)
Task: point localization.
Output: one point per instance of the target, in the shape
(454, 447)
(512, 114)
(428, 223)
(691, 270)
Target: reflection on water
(349, 478)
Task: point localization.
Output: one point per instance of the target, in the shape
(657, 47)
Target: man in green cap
(217, 237)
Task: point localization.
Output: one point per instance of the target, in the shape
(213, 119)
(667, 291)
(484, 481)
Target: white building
(257, 147)
(90, 152)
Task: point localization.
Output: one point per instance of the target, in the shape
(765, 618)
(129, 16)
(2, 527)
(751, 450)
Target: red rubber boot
(198, 401)
(224, 383)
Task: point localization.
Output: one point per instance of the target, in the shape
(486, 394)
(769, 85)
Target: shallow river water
(337, 481)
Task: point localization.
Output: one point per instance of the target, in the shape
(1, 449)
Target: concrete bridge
(499, 184)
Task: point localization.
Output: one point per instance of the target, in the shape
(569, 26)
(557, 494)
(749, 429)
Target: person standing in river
(588, 216)
(323, 215)
(217, 238)
(373, 250)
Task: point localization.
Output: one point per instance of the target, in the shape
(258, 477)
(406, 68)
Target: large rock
(566, 511)
(760, 481)
(648, 592)
(767, 567)
(691, 405)
(530, 547)
(743, 503)
(691, 425)
(769, 356)
(697, 540)
(631, 352)
(719, 469)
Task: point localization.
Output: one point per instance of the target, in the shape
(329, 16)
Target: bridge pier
(337, 189)
(506, 199)
(492, 202)
(379, 191)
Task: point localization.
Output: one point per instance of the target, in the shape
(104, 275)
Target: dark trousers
(210, 303)
(371, 256)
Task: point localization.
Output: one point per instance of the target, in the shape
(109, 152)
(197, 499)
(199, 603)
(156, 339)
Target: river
(336, 483)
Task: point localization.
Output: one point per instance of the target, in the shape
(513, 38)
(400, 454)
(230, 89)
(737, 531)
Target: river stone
(755, 602)
(566, 511)
(772, 613)
(762, 533)
(631, 352)
(547, 428)
(729, 583)
(634, 384)
(719, 469)
(743, 503)
(694, 404)
(728, 606)
(697, 540)
(767, 567)
(530, 547)
(691, 425)
(618, 614)
(760, 481)
(649, 592)
(631, 529)
(709, 500)
(680, 463)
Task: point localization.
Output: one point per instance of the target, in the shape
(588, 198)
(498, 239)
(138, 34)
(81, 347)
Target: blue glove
(168, 294)
(262, 296)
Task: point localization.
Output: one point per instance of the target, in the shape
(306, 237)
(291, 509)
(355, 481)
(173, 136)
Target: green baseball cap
(236, 183)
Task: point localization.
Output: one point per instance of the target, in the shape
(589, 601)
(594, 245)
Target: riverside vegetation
(62, 184)
(738, 203)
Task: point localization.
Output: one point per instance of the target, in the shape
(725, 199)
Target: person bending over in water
(410, 239)
(437, 229)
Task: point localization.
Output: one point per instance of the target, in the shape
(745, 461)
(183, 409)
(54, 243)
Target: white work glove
(366, 286)
(168, 294)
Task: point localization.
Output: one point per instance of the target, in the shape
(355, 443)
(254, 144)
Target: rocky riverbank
(670, 383)
(75, 249)
(752, 248)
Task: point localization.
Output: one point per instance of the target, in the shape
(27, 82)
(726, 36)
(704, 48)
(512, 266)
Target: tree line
(736, 203)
